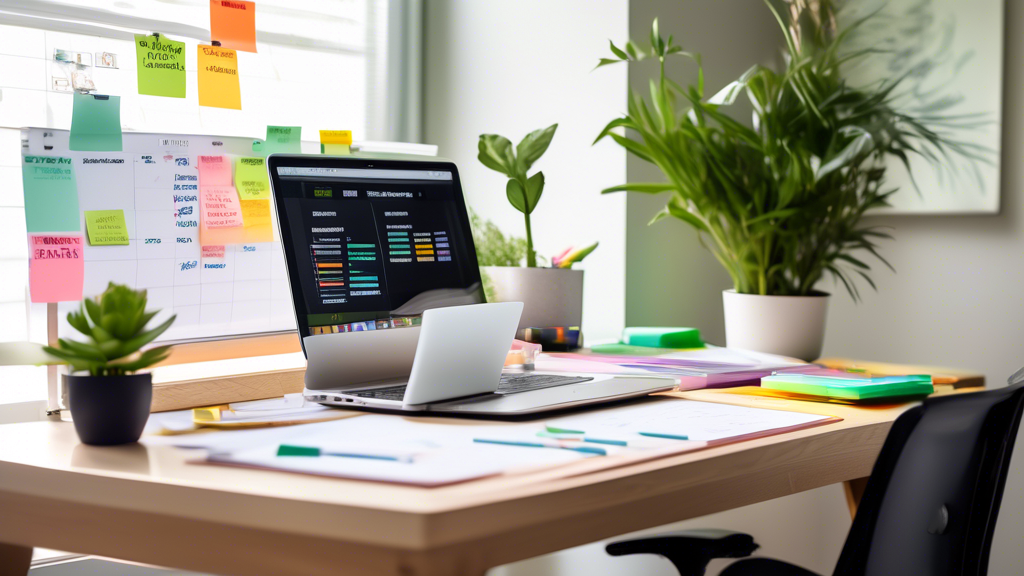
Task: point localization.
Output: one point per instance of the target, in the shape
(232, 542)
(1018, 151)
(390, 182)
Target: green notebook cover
(662, 337)
(850, 388)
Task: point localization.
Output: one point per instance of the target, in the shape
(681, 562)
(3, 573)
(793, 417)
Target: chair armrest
(689, 550)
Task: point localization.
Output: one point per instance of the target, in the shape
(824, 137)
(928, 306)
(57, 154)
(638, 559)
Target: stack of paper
(434, 453)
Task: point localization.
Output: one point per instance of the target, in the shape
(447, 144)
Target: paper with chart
(701, 421)
(150, 192)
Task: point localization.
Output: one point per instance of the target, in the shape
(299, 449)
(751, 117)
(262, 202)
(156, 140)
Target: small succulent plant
(115, 325)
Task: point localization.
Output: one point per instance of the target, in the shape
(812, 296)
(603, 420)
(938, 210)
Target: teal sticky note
(96, 123)
(281, 140)
(51, 194)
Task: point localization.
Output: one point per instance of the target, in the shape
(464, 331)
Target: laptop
(388, 297)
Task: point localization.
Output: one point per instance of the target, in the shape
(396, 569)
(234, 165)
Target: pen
(556, 430)
(292, 450)
(584, 449)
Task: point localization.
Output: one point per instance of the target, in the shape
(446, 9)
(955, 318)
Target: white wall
(512, 67)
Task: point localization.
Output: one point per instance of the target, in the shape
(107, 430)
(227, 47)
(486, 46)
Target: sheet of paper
(293, 400)
(51, 194)
(335, 142)
(56, 267)
(214, 171)
(233, 24)
(161, 66)
(701, 421)
(281, 140)
(106, 227)
(251, 179)
(218, 78)
(96, 123)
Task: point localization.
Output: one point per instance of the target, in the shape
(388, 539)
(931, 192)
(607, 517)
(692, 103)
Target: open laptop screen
(371, 244)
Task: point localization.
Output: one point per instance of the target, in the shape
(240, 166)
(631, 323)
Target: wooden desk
(145, 504)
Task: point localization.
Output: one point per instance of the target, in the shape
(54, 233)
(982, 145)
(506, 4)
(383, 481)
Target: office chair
(930, 505)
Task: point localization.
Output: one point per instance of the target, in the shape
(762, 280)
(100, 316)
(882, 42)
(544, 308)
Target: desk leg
(854, 492)
(14, 560)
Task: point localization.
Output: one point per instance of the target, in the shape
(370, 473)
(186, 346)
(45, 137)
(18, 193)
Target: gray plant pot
(550, 296)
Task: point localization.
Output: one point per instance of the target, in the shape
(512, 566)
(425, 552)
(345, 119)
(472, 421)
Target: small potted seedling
(109, 400)
(552, 296)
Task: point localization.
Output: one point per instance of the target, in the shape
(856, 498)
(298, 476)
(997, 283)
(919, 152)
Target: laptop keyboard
(509, 384)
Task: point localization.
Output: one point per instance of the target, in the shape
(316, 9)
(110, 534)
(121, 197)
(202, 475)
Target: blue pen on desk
(583, 449)
(292, 450)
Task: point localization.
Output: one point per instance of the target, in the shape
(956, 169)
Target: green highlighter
(662, 337)
(850, 388)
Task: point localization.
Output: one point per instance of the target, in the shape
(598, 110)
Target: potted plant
(109, 400)
(552, 296)
(778, 203)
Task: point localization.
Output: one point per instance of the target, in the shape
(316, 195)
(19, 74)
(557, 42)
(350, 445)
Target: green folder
(850, 388)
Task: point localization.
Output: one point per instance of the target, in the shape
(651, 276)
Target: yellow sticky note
(218, 78)
(335, 141)
(251, 179)
(106, 227)
(256, 213)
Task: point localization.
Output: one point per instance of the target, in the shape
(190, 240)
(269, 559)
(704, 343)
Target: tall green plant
(779, 204)
(523, 192)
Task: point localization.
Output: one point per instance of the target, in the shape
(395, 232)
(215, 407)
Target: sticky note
(233, 24)
(213, 251)
(214, 171)
(56, 267)
(255, 212)
(96, 123)
(281, 140)
(335, 141)
(161, 66)
(51, 194)
(220, 208)
(251, 179)
(218, 78)
(106, 227)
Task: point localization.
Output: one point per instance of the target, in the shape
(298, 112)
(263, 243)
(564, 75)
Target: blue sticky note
(51, 194)
(96, 123)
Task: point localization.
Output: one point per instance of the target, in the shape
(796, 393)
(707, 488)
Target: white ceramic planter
(787, 325)
(550, 296)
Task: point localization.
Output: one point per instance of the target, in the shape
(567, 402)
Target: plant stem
(531, 256)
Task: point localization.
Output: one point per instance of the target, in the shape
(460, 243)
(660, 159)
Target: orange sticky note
(56, 267)
(218, 78)
(233, 24)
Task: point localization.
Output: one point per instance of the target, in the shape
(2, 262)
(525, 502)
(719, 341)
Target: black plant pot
(109, 410)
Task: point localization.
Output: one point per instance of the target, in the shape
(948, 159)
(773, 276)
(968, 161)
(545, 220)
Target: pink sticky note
(56, 267)
(213, 251)
(214, 171)
(220, 207)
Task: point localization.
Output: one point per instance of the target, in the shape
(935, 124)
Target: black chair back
(930, 506)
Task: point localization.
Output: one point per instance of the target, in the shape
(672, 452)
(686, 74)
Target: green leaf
(141, 340)
(534, 188)
(533, 147)
(495, 152)
(618, 53)
(516, 195)
(607, 61)
(644, 187)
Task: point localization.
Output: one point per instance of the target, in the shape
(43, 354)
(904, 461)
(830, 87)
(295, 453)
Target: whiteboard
(154, 180)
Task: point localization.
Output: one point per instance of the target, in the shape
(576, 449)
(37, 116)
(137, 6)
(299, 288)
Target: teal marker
(573, 436)
(291, 450)
(669, 436)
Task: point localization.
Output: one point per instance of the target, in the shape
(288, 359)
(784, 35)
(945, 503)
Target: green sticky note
(96, 123)
(662, 337)
(106, 227)
(281, 140)
(161, 66)
(251, 179)
(51, 194)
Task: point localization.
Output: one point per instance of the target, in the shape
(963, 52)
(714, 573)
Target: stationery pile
(430, 453)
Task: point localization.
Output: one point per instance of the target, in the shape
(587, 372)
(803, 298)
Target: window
(321, 64)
